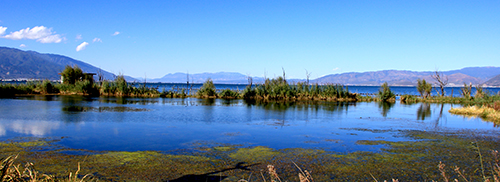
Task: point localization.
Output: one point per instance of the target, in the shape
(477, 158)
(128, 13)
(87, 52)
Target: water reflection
(424, 111)
(34, 128)
(207, 102)
(301, 105)
(385, 107)
(101, 109)
(128, 100)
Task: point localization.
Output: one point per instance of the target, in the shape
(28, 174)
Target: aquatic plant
(466, 91)
(385, 93)
(424, 88)
(228, 94)
(207, 89)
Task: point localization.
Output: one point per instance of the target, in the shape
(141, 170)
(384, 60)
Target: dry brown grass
(475, 111)
(11, 172)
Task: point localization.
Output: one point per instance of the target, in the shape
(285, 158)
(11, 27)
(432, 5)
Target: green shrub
(70, 75)
(424, 88)
(385, 93)
(466, 91)
(207, 89)
(47, 87)
(227, 93)
(249, 93)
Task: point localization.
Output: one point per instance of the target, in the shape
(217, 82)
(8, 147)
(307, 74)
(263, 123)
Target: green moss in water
(414, 160)
(253, 154)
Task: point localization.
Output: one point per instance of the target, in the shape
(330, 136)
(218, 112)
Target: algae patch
(258, 153)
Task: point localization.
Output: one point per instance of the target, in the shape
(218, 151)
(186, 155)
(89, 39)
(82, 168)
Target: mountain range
(19, 64)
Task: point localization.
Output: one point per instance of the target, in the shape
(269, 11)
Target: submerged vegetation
(422, 158)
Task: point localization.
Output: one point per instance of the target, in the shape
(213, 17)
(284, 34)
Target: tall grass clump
(228, 94)
(424, 88)
(275, 89)
(249, 93)
(207, 89)
(174, 94)
(385, 94)
(9, 90)
(120, 87)
(466, 91)
(279, 89)
(11, 172)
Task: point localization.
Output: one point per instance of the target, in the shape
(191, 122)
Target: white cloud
(81, 46)
(116, 33)
(22, 45)
(97, 40)
(2, 30)
(336, 69)
(78, 37)
(39, 33)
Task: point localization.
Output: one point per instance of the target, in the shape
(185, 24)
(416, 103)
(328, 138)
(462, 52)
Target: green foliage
(249, 93)
(466, 91)
(70, 75)
(480, 93)
(207, 89)
(47, 87)
(424, 88)
(228, 93)
(409, 99)
(385, 93)
(120, 86)
(9, 90)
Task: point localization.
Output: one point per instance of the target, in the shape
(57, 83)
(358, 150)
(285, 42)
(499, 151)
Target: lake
(168, 124)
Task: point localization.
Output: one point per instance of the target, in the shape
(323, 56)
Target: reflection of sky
(179, 123)
(29, 127)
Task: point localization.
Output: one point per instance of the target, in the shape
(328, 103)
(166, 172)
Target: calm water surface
(164, 124)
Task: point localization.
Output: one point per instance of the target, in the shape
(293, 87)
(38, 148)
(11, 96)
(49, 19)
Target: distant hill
(495, 81)
(483, 73)
(220, 77)
(18, 64)
(474, 75)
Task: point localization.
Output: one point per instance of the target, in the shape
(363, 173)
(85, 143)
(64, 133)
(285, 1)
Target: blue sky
(153, 38)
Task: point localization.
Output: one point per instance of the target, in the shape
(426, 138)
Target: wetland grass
(18, 173)
(485, 112)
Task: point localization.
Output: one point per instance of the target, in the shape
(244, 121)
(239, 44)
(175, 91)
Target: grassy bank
(118, 88)
(465, 155)
(279, 89)
(487, 112)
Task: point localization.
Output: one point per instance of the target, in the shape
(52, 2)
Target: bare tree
(284, 78)
(441, 80)
(187, 79)
(100, 76)
(250, 80)
(307, 77)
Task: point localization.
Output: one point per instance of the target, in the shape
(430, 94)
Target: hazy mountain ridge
(18, 64)
(409, 78)
(494, 81)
